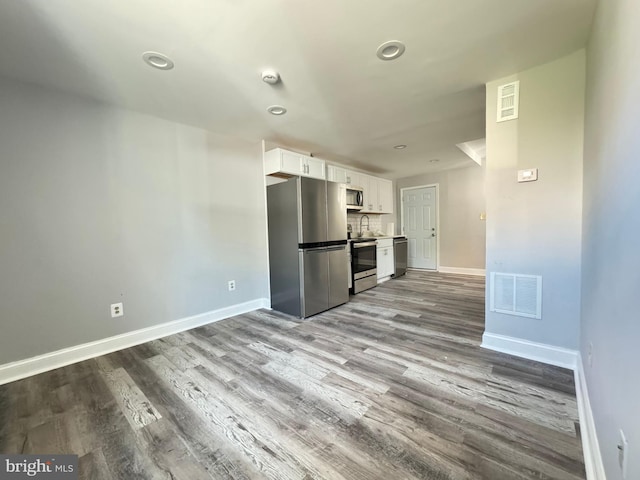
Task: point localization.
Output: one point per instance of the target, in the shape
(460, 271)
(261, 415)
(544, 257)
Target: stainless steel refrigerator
(307, 246)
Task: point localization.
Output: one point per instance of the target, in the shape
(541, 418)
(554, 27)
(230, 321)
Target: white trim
(437, 186)
(266, 218)
(471, 152)
(590, 447)
(463, 271)
(540, 352)
(60, 358)
(572, 360)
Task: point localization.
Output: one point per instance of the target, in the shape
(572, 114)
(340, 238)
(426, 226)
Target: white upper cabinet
(377, 192)
(337, 174)
(280, 161)
(385, 195)
(355, 178)
(315, 167)
(342, 175)
(370, 193)
(378, 195)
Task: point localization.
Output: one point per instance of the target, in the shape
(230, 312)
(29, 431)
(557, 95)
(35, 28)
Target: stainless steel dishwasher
(400, 255)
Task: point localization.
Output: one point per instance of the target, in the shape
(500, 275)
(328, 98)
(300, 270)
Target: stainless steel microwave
(355, 200)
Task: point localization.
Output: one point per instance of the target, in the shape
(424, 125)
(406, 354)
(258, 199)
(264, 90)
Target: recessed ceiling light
(277, 110)
(157, 60)
(390, 50)
(434, 160)
(399, 147)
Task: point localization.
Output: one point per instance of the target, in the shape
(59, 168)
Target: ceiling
(344, 104)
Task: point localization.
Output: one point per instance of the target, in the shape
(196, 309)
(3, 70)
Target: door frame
(437, 185)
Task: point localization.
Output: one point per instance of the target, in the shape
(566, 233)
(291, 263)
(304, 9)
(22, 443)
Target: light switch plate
(528, 175)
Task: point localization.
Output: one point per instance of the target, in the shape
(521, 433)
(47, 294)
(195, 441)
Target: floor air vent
(516, 294)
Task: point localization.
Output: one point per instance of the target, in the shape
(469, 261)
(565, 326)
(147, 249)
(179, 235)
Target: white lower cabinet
(385, 262)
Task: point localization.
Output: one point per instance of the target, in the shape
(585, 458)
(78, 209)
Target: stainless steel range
(364, 269)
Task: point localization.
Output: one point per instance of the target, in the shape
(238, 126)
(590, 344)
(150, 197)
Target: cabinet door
(355, 177)
(314, 168)
(385, 196)
(292, 163)
(336, 174)
(385, 262)
(332, 173)
(391, 264)
(370, 194)
(349, 177)
(379, 262)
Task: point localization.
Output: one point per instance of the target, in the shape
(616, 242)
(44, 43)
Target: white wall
(101, 205)
(462, 200)
(535, 228)
(611, 231)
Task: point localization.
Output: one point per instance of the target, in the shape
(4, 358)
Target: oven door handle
(365, 244)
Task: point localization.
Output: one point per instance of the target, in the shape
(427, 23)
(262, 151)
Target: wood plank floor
(391, 385)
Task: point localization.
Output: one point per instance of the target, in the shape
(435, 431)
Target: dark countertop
(365, 239)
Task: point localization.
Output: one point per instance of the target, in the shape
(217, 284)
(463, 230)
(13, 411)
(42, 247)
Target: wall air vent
(516, 294)
(508, 101)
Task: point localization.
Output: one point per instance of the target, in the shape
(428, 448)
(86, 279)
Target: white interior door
(419, 211)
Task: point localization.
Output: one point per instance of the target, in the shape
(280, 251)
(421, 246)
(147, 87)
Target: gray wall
(535, 228)
(462, 200)
(100, 205)
(611, 231)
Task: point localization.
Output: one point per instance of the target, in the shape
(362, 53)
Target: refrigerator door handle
(333, 249)
(313, 249)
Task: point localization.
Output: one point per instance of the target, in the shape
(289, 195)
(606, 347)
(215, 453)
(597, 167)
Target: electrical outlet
(117, 310)
(232, 285)
(590, 354)
(623, 449)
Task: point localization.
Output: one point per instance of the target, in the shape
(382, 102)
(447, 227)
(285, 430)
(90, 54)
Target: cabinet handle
(348, 179)
(380, 207)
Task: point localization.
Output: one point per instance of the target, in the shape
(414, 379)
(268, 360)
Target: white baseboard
(60, 358)
(590, 446)
(540, 352)
(463, 271)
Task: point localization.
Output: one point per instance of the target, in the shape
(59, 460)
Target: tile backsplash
(375, 222)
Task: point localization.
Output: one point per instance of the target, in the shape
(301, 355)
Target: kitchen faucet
(368, 227)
